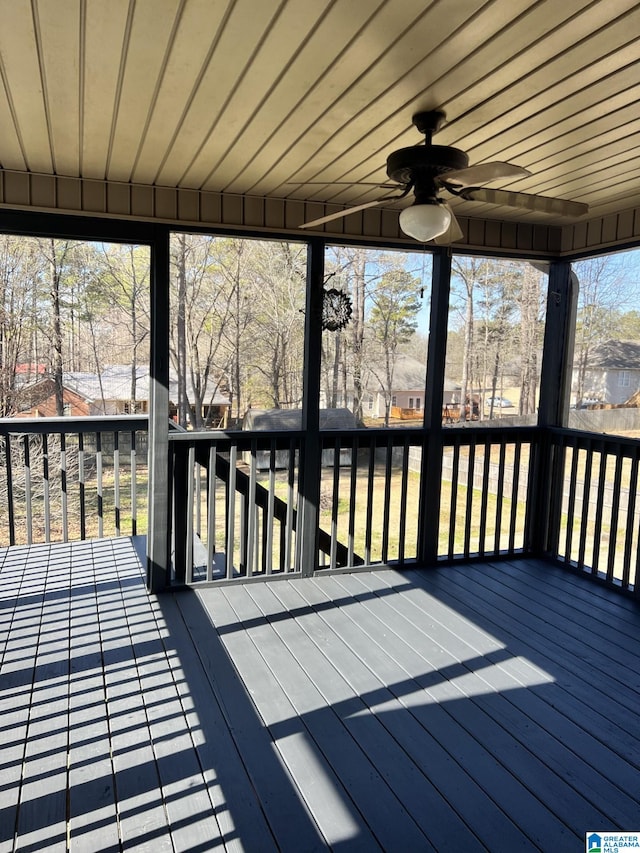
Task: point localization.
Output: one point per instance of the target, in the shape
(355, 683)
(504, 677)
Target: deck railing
(235, 499)
(502, 491)
(65, 479)
(486, 488)
(594, 511)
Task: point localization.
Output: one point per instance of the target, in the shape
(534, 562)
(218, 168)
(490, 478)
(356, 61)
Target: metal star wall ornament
(336, 310)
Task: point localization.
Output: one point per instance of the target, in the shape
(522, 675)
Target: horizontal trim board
(201, 209)
(186, 207)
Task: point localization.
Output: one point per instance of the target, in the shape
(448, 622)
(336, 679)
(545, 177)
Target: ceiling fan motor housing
(422, 164)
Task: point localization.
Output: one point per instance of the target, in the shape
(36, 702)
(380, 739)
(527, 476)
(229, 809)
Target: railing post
(309, 498)
(544, 500)
(180, 474)
(158, 536)
(431, 465)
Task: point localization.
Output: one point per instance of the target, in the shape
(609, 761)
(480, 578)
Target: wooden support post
(310, 452)
(544, 498)
(431, 467)
(158, 536)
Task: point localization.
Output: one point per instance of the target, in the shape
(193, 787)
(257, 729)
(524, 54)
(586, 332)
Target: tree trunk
(357, 322)
(57, 330)
(466, 356)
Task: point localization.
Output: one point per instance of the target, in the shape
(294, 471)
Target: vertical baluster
(231, 511)
(482, 534)
(288, 551)
(191, 460)
(333, 559)
(515, 488)
(632, 527)
(631, 521)
(134, 486)
(27, 488)
(267, 557)
(352, 501)
(499, 495)
(198, 500)
(615, 511)
(387, 501)
(99, 484)
(82, 488)
(369, 514)
(597, 531)
(45, 487)
(586, 493)
(63, 487)
(453, 506)
(178, 466)
(116, 479)
(571, 503)
(404, 487)
(211, 511)
(469, 502)
(10, 507)
(250, 512)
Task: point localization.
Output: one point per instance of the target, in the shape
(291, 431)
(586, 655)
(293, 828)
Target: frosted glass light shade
(423, 222)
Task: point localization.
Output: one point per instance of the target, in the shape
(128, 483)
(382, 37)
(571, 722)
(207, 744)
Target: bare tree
(392, 323)
(18, 318)
(605, 285)
(126, 275)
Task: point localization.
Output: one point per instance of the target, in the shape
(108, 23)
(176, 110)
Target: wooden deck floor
(474, 708)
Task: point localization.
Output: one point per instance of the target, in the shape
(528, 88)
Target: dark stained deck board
(587, 670)
(389, 641)
(41, 819)
(535, 717)
(482, 707)
(92, 803)
(302, 676)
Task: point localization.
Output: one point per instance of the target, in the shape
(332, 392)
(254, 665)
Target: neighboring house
(109, 393)
(407, 393)
(610, 374)
(38, 400)
(110, 390)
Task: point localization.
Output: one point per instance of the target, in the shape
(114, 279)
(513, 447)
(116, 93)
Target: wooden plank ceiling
(246, 96)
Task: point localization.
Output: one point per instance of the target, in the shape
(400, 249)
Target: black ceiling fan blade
(484, 173)
(540, 203)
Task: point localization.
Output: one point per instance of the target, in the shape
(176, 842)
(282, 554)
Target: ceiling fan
(428, 169)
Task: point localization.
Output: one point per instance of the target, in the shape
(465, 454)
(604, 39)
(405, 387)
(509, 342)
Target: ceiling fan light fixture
(425, 220)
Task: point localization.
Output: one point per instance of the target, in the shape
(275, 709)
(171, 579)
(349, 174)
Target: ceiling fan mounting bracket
(410, 165)
(429, 122)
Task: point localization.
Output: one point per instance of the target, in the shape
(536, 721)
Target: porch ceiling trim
(280, 216)
(271, 216)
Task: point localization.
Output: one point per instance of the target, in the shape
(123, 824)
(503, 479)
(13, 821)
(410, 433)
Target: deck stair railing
(230, 518)
(235, 511)
(234, 506)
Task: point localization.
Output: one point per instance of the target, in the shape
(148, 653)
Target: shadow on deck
(484, 707)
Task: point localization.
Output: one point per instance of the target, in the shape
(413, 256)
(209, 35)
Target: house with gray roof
(610, 373)
(116, 390)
